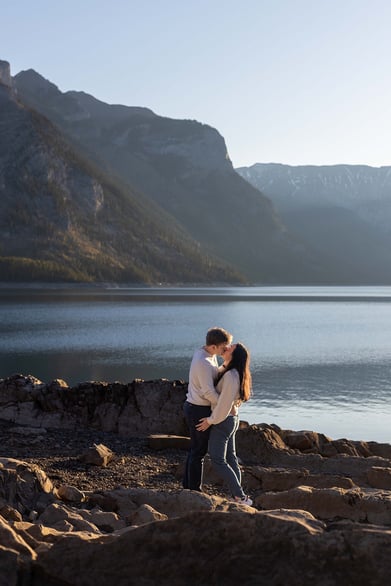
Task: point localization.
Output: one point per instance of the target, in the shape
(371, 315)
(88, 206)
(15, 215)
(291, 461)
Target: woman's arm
(229, 393)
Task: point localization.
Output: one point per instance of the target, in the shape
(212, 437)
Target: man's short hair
(217, 336)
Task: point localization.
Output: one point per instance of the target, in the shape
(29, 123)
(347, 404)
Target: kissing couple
(214, 395)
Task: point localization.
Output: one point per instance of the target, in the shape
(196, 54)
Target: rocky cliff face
(133, 129)
(63, 219)
(5, 73)
(183, 166)
(137, 407)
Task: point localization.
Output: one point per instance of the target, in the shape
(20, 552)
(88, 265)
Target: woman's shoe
(245, 500)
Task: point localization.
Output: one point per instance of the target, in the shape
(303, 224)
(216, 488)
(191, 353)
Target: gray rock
(60, 517)
(9, 513)
(331, 503)
(70, 493)
(379, 477)
(22, 485)
(295, 549)
(97, 455)
(104, 520)
(140, 407)
(145, 514)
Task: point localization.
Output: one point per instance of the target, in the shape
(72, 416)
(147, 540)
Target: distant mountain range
(341, 211)
(97, 192)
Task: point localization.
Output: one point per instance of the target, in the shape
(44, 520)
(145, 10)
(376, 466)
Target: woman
(234, 386)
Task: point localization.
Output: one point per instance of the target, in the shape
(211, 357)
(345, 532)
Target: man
(201, 394)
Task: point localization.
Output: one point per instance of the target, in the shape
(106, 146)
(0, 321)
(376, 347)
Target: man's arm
(206, 375)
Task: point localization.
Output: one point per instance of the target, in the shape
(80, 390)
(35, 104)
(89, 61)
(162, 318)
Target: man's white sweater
(202, 375)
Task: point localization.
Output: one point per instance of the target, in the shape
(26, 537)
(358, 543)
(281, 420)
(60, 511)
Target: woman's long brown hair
(240, 360)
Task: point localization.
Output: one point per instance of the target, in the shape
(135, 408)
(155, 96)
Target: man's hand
(203, 425)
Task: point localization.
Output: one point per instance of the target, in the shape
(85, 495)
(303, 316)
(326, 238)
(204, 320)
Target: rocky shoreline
(90, 493)
(57, 453)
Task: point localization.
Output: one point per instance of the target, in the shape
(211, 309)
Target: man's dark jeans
(192, 478)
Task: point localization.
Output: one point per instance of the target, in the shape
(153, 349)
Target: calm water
(321, 356)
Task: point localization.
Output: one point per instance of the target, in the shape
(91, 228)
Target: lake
(320, 356)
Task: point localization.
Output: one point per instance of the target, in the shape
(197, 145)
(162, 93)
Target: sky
(299, 82)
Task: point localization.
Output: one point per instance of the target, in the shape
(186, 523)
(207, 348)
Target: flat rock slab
(168, 442)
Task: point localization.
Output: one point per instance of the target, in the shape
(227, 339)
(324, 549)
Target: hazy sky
(286, 81)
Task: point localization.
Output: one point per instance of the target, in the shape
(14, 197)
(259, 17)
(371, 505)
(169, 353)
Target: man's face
(227, 353)
(222, 349)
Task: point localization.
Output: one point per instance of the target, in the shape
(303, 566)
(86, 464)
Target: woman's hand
(203, 425)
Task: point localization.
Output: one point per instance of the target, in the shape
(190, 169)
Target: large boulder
(175, 503)
(332, 503)
(269, 547)
(25, 487)
(16, 556)
(260, 444)
(56, 514)
(280, 479)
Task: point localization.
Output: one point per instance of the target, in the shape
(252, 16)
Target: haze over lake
(320, 355)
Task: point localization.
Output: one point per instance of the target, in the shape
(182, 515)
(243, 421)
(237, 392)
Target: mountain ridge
(343, 211)
(61, 218)
(184, 167)
(181, 174)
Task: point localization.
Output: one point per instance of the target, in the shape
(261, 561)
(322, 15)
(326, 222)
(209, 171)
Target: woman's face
(227, 354)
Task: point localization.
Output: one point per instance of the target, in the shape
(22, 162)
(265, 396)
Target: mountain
(341, 211)
(359, 188)
(182, 166)
(62, 218)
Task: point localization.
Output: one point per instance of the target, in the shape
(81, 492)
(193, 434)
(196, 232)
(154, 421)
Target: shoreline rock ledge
(321, 514)
(136, 407)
